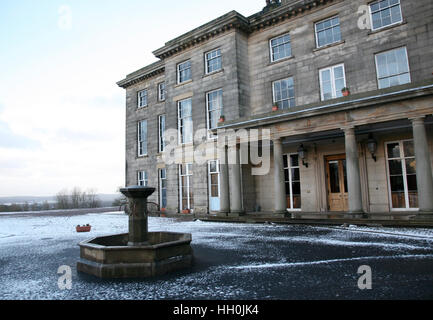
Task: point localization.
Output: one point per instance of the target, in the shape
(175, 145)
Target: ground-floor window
(142, 178)
(401, 165)
(214, 185)
(163, 188)
(292, 179)
(185, 186)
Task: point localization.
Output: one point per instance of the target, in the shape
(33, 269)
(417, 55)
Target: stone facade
(324, 128)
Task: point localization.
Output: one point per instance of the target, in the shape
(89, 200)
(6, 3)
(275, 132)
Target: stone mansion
(345, 88)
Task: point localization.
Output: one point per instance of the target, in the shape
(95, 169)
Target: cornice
(147, 72)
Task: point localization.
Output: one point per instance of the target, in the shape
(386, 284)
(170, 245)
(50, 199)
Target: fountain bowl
(111, 257)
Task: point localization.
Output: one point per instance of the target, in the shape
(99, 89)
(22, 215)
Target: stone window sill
(330, 45)
(281, 60)
(183, 83)
(213, 73)
(371, 32)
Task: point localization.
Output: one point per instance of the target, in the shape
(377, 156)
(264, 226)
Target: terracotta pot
(163, 209)
(346, 93)
(274, 108)
(186, 211)
(83, 228)
(221, 120)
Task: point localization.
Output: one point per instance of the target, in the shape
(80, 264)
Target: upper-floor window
(142, 138)
(142, 98)
(385, 13)
(142, 179)
(284, 93)
(214, 106)
(161, 133)
(392, 68)
(184, 121)
(280, 47)
(332, 81)
(184, 71)
(213, 61)
(328, 32)
(161, 91)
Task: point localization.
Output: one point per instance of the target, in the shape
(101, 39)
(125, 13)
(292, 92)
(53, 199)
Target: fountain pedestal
(138, 253)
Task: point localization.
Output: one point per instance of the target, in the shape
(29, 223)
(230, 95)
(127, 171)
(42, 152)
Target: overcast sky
(62, 115)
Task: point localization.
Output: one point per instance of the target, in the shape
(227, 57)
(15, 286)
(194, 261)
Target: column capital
(349, 129)
(277, 141)
(417, 120)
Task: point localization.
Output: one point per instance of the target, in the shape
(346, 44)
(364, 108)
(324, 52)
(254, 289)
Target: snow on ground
(232, 261)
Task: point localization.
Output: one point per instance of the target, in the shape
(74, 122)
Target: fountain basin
(111, 257)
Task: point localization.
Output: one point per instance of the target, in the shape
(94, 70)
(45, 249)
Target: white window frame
(160, 178)
(161, 92)
(289, 168)
(404, 173)
(161, 132)
(271, 48)
(142, 178)
(316, 33)
(218, 173)
(206, 60)
(388, 25)
(210, 134)
(274, 94)
(140, 103)
(178, 71)
(377, 66)
(334, 90)
(189, 187)
(181, 133)
(142, 141)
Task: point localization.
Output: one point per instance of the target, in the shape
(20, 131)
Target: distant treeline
(65, 199)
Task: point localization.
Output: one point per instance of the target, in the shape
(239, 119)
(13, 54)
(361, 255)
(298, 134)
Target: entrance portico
(358, 162)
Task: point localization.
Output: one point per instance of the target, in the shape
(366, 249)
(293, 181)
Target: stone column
(137, 212)
(235, 183)
(353, 175)
(224, 181)
(423, 167)
(279, 185)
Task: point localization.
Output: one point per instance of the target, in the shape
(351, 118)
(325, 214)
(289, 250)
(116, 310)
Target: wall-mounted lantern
(302, 153)
(372, 146)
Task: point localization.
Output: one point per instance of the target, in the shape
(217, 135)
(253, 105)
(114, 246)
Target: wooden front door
(338, 197)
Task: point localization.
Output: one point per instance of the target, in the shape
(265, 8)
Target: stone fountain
(139, 253)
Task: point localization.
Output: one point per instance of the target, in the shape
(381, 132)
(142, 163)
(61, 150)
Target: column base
(236, 213)
(424, 215)
(280, 212)
(222, 214)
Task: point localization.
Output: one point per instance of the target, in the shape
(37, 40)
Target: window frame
(206, 61)
(162, 93)
(179, 71)
(334, 91)
(179, 126)
(140, 141)
(161, 132)
(274, 96)
(189, 185)
(402, 157)
(388, 25)
(160, 180)
(316, 33)
(271, 48)
(139, 99)
(210, 134)
(289, 168)
(142, 176)
(377, 67)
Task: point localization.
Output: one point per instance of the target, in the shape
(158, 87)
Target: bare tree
(92, 199)
(76, 197)
(62, 198)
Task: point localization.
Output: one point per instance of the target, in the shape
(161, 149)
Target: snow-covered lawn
(232, 261)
